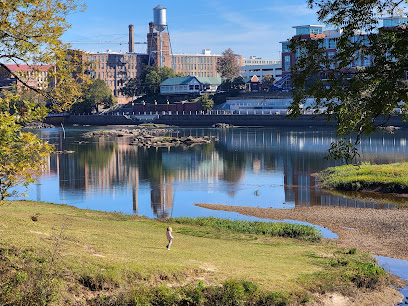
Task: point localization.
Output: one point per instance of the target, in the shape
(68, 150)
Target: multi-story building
(114, 68)
(259, 67)
(199, 65)
(35, 76)
(330, 38)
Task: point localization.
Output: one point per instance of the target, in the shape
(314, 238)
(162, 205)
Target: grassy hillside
(61, 254)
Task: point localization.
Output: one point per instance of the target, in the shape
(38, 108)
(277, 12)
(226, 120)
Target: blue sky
(248, 28)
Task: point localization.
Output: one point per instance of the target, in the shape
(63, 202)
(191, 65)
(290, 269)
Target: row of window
(192, 59)
(102, 75)
(114, 58)
(260, 62)
(192, 66)
(359, 60)
(309, 30)
(179, 88)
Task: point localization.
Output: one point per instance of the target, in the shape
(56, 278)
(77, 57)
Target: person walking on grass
(169, 237)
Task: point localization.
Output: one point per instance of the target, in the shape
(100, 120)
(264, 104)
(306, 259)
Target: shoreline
(381, 232)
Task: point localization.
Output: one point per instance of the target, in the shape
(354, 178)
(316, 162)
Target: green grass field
(61, 254)
(387, 178)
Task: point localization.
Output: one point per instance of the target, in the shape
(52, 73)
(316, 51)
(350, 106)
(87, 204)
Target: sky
(248, 28)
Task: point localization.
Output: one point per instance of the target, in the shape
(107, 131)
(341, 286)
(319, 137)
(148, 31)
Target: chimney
(131, 39)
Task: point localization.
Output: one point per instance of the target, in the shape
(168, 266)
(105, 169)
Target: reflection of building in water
(161, 196)
(300, 153)
(192, 167)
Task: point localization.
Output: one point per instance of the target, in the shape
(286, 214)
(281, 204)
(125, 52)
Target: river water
(247, 167)
(261, 167)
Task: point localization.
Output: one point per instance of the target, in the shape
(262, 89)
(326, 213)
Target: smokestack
(131, 39)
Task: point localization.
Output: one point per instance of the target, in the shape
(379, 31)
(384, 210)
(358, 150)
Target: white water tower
(159, 46)
(159, 18)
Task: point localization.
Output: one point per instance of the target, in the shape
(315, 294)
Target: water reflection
(248, 167)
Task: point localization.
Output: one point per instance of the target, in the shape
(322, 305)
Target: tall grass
(303, 232)
(388, 178)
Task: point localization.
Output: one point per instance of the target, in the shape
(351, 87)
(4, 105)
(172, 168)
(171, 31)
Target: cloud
(291, 10)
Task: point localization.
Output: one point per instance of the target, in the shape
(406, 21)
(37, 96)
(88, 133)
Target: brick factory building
(35, 76)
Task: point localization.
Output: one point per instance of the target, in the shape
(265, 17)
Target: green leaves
(22, 154)
(360, 85)
(93, 94)
(30, 32)
(206, 103)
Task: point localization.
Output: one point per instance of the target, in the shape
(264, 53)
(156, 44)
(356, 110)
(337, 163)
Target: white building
(189, 85)
(260, 66)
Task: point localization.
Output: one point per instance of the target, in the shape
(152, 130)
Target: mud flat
(382, 232)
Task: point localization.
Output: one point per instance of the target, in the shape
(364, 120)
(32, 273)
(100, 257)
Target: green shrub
(298, 231)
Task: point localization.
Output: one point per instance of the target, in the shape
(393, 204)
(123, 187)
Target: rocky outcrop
(222, 125)
(152, 137)
(127, 133)
(152, 141)
(35, 125)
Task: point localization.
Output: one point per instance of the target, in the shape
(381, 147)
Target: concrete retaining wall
(203, 120)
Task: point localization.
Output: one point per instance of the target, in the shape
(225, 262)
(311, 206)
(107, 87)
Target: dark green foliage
(206, 103)
(233, 85)
(94, 94)
(303, 232)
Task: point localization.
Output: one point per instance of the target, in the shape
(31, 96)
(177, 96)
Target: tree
(227, 65)
(206, 103)
(358, 99)
(233, 85)
(30, 33)
(21, 153)
(268, 80)
(94, 94)
(132, 88)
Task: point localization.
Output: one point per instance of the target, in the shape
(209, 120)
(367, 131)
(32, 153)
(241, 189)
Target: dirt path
(381, 232)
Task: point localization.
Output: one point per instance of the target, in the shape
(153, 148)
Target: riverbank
(379, 231)
(64, 255)
(385, 178)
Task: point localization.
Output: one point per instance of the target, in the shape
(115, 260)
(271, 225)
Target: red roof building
(35, 76)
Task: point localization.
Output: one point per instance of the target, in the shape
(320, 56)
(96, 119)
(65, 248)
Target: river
(247, 166)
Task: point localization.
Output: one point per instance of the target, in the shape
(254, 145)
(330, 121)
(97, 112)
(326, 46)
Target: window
(287, 62)
(285, 47)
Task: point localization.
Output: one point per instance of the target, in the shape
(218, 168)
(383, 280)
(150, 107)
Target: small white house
(189, 85)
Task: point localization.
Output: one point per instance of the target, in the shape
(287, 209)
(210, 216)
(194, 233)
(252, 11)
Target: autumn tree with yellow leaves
(30, 32)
